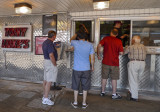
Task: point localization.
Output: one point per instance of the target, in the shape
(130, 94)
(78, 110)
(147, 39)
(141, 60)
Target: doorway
(88, 24)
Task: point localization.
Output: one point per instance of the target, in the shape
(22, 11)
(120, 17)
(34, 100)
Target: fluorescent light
(23, 8)
(101, 4)
(152, 22)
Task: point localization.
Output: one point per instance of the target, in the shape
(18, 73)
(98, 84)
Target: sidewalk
(26, 97)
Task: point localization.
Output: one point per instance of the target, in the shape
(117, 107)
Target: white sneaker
(47, 101)
(84, 106)
(117, 96)
(49, 97)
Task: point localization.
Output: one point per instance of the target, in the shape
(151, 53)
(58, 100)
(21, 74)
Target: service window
(123, 30)
(149, 31)
(88, 25)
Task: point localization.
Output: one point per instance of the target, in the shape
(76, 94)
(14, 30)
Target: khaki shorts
(50, 71)
(112, 71)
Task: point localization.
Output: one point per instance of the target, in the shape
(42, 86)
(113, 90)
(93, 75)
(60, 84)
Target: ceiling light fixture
(100, 4)
(152, 22)
(23, 8)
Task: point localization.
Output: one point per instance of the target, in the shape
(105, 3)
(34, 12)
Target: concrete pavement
(26, 97)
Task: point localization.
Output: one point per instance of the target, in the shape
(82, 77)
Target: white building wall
(118, 13)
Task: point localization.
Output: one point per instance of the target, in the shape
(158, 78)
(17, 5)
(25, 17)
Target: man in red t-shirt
(110, 63)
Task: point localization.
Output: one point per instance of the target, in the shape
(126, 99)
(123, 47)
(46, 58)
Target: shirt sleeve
(126, 51)
(72, 43)
(102, 42)
(92, 50)
(50, 48)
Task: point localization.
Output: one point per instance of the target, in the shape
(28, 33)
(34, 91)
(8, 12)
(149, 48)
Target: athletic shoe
(117, 96)
(49, 97)
(130, 98)
(84, 106)
(133, 99)
(74, 105)
(102, 94)
(47, 101)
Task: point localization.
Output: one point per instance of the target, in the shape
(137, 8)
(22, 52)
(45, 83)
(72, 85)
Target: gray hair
(51, 33)
(137, 39)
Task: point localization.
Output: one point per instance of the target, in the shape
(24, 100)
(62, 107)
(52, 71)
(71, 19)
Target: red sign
(17, 43)
(17, 38)
(18, 32)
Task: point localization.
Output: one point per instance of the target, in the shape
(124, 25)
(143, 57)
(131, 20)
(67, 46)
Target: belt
(136, 60)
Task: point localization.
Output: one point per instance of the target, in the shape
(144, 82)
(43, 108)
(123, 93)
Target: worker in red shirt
(110, 63)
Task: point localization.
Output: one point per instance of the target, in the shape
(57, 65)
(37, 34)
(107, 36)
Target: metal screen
(26, 65)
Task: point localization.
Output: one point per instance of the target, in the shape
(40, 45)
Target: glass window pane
(87, 25)
(123, 30)
(149, 31)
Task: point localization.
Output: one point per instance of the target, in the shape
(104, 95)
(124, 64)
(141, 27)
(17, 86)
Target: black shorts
(84, 77)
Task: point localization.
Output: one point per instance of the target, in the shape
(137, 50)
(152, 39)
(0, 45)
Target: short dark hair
(51, 33)
(81, 35)
(114, 32)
